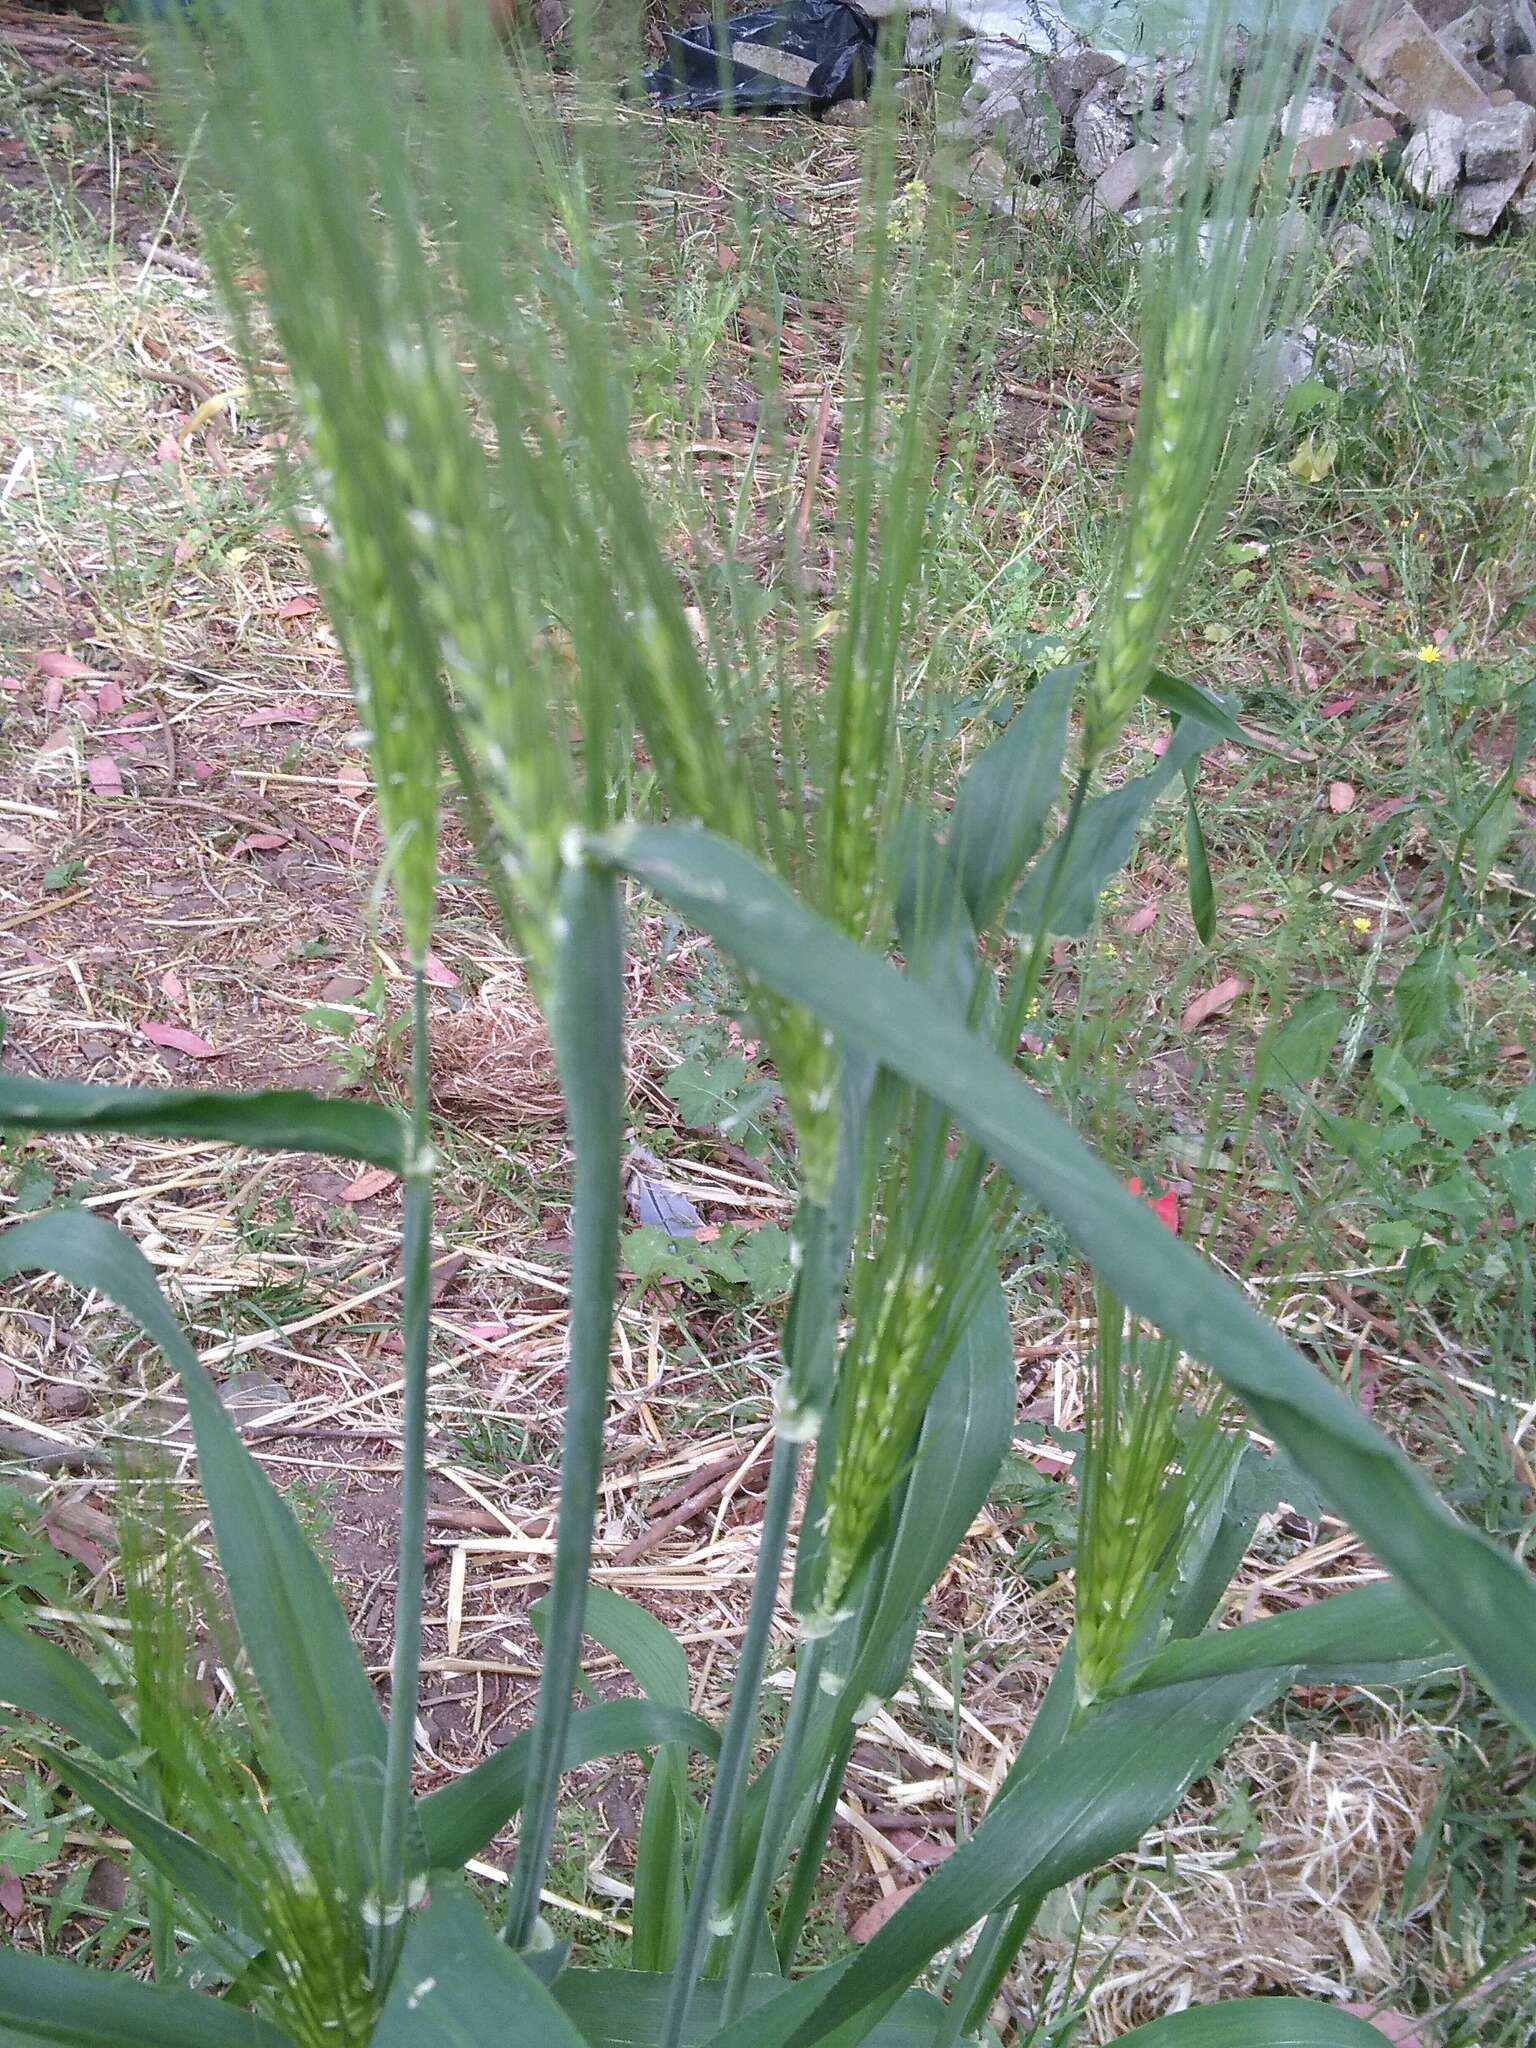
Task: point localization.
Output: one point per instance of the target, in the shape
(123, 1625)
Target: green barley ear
(358, 234)
(391, 663)
(916, 1287)
(1154, 1457)
(1211, 288)
(219, 1773)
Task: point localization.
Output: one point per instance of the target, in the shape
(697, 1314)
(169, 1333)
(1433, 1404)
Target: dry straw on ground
(1206, 1911)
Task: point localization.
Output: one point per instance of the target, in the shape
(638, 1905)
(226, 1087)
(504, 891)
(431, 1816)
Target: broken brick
(1357, 142)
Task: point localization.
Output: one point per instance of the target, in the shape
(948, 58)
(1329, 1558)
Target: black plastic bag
(806, 53)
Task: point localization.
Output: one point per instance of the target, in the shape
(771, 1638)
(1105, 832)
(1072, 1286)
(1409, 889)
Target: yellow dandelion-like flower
(1429, 653)
(1361, 924)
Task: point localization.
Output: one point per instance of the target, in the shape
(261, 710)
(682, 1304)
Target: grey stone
(926, 43)
(987, 181)
(1350, 245)
(958, 134)
(250, 1397)
(1029, 134)
(1472, 35)
(1139, 88)
(1500, 144)
(1223, 143)
(1184, 94)
(1088, 217)
(1405, 60)
(1479, 207)
(1297, 353)
(68, 1399)
(1521, 211)
(846, 114)
(1287, 360)
(1100, 132)
(1431, 160)
(1520, 74)
(1400, 221)
(1144, 173)
(1357, 142)
(1068, 77)
(1317, 114)
(1018, 117)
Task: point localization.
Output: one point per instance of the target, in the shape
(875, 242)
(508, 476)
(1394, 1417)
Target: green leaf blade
(58, 2005)
(1364, 1636)
(291, 1623)
(627, 2009)
(458, 1986)
(457, 1821)
(196, 1872)
(1258, 2023)
(42, 1679)
(1483, 1600)
(1090, 1798)
(1005, 799)
(270, 1120)
(1101, 845)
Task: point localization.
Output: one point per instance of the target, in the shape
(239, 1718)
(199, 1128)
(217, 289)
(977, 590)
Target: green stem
(1002, 1936)
(802, 1883)
(587, 1026)
(1003, 1932)
(1453, 885)
(736, 1740)
(776, 1817)
(809, 1345)
(405, 1668)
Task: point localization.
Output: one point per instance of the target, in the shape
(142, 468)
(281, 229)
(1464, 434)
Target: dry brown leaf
(369, 1183)
(1213, 1002)
(177, 1038)
(1341, 796)
(55, 663)
(873, 1918)
(1399, 2027)
(281, 714)
(80, 1531)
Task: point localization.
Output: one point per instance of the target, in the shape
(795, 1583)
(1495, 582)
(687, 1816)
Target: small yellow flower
(1429, 653)
(1362, 924)
(908, 211)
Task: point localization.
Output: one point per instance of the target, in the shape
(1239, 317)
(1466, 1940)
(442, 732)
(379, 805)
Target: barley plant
(436, 241)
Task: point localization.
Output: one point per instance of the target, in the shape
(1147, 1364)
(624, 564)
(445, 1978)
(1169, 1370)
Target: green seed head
(1168, 500)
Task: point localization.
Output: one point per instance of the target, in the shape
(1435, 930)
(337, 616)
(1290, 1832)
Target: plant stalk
(776, 1817)
(587, 1026)
(1002, 1935)
(802, 1883)
(736, 1740)
(405, 1668)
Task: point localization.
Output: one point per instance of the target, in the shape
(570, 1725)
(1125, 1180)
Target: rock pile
(1440, 95)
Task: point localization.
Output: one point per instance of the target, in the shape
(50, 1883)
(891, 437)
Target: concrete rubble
(1437, 99)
